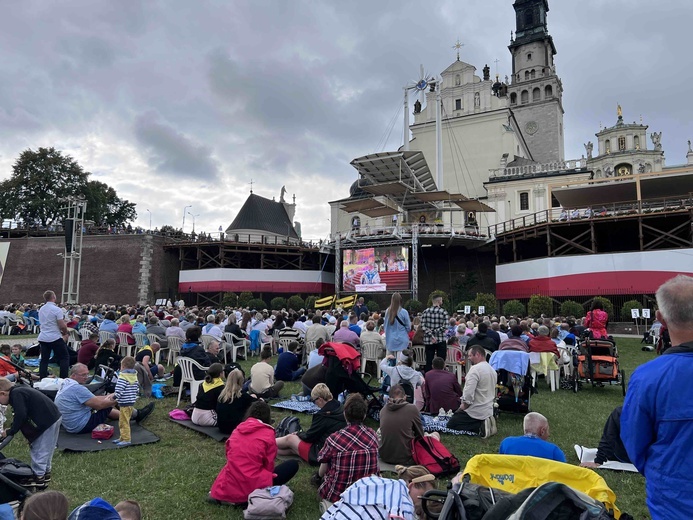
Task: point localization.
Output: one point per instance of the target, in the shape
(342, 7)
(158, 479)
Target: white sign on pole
(481, 309)
(635, 313)
(467, 309)
(646, 313)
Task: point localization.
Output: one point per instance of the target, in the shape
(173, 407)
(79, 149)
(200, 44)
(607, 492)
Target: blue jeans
(298, 374)
(42, 449)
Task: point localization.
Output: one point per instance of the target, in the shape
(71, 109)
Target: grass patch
(171, 478)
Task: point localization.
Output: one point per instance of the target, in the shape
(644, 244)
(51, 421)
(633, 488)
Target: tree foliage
(627, 307)
(310, 302)
(257, 304)
(414, 306)
(42, 180)
(608, 306)
(514, 308)
(572, 308)
(244, 298)
(278, 303)
(230, 300)
(487, 300)
(372, 306)
(295, 302)
(539, 305)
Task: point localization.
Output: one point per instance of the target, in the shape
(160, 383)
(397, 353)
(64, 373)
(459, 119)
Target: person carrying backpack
(402, 373)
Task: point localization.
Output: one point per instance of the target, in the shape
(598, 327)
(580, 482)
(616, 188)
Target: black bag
(471, 502)
(14, 476)
(287, 426)
(407, 387)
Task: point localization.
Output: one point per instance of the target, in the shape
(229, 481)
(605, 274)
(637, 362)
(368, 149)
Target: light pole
(193, 216)
(184, 210)
(150, 221)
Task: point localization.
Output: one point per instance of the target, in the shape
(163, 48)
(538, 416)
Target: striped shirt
(373, 497)
(127, 388)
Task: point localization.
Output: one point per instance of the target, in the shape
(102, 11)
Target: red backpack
(434, 456)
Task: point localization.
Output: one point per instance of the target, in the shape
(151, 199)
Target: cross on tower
(251, 186)
(496, 62)
(458, 45)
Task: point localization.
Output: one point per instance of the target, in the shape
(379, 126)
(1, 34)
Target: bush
(488, 301)
(446, 299)
(572, 308)
(244, 298)
(414, 306)
(257, 304)
(625, 310)
(539, 305)
(608, 306)
(295, 302)
(310, 302)
(278, 303)
(230, 300)
(372, 306)
(514, 308)
(461, 305)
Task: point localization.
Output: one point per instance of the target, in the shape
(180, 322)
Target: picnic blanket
(210, 431)
(589, 454)
(82, 442)
(431, 423)
(298, 406)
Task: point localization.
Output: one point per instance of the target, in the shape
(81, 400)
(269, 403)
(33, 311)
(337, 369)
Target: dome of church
(356, 192)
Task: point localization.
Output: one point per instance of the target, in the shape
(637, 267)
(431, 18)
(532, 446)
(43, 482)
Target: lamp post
(150, 221)
(184, 211)
(193, 217)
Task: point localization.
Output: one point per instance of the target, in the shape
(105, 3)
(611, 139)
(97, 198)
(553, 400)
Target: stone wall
(116, 269)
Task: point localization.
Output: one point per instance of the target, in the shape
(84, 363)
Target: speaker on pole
(68, 225)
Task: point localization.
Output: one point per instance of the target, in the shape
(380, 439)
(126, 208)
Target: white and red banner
(256, 280)
(591, 275)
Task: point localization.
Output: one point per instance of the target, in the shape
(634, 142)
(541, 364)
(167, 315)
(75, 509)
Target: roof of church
(261, 214)
(459, 65)
(520, 161)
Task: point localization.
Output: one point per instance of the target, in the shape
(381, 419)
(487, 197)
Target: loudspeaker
(68, 224)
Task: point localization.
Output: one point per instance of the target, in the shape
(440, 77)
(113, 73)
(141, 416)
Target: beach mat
(439, 424)
(82, 442)
(210, 431)
(298, 406)
(589, 454)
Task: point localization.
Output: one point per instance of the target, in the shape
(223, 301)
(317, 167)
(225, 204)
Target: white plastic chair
(419, 352)
(284, 343)
(74, 340)
(187, 376)
(451, 361)
(370, 351)
(85, 332)
(236, 344)
(140, 340)
(104, 336)
(124, 344)
(174, 345)
(155, 338)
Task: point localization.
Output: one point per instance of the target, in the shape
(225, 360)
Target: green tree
(372, 306)
(487, 300)
(257, 304)
(539, 305)
(572, 308)
(278, 303)
(627, 307)
(514, 308)
(446, 299)
(105, 207)
(230, 300)
(244, 298)
(310, 302)
(607, 305)
(414, 306)
(295, 302)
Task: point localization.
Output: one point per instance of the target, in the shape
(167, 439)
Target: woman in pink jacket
(250, 454)
(597, 320)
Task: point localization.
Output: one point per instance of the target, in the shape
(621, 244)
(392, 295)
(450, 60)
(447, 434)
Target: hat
(333, 319)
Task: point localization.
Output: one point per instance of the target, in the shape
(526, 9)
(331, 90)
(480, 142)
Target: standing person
(597, 320)
(434, 321)
(53, 336)
(38, 418)
(657, 417)
(397, 325)
(360, 307)
(126, 391)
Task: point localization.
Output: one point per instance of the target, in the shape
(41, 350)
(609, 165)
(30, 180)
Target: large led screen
(375, 269)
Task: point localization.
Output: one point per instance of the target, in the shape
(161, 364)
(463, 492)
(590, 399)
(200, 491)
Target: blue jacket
(657, 430)
(397, 334)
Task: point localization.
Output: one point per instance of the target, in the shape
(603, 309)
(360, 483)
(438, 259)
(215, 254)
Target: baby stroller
(343, 363)
(597, 363)
(16, 477)
(514, 385)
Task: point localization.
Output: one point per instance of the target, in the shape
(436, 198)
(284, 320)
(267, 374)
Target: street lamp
(150, 221)
(193, 216)
(184, 210)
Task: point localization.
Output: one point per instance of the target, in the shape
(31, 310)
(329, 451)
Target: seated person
(47, 505)
(155, 327)
(514, 341)
(174, 330)
(214, 352)
(542, 342)
(193, 349)
(17, 356)
(349, 454)
(262, 381)
(233, 402)
(482, 338)
(288, 367)
(212, 328)
(534, 442)
(7, 371)
(610, 445)
(378, 497)
(87, 351)
(146, 357)
(233, 328)
(400, 423)
(403, 371)
(129, 510)
(368, 335)
(83, 411)
(441, 388)
(205, 406)
(327, 421)
(250, 454)
(107, 356)
(346, 335)
(126, 327)
(478, 394)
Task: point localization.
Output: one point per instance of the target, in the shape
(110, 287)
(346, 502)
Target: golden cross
(458, 45)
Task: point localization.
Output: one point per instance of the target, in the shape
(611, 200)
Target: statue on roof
(589, 147)
(657, 140)
(487, 73)
(689, 147)
(417, 107)
(619, 112)
(281, 195)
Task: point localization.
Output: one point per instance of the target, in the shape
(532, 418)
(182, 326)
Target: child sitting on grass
(17, 357)
(126, 391)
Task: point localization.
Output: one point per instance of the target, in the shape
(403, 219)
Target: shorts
(304, 450)
(98, 417)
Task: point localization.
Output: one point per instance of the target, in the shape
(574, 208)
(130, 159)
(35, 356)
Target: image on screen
(375, 269)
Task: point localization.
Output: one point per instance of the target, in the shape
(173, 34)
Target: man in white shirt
(475, 415)
(53, 336)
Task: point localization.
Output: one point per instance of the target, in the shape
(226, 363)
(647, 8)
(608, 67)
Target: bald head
(536, 424)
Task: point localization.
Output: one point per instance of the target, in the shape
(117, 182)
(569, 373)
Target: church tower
(535, 91)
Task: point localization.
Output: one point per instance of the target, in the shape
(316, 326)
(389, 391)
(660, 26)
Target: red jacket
(250, 454)
(596, 321)
(543, 344)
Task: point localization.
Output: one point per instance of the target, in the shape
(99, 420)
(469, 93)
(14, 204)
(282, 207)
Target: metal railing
(404, 230)
(531, 169)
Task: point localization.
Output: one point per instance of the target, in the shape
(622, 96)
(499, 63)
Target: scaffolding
(72, 257)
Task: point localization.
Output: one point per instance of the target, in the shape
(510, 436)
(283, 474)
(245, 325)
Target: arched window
(526, 74)
(536, 94)
(524, 97)
(533, 75)
(636, 142)
(548, 91)
(458, 80)
(607, 146)
(529, 56)
(513, 98)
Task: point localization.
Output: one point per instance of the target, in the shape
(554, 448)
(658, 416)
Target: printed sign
(481, 309)
(635, 313)
(646, 313)
(467, 309)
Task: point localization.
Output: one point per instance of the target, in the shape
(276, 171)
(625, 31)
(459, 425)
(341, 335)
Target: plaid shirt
(435, 321)
(352, 453)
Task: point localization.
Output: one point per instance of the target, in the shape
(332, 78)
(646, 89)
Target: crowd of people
(345, 451)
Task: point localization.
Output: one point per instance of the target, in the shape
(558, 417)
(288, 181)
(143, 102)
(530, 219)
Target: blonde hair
(233, 387)
(321, 391)
(414, 474)
(393, 309)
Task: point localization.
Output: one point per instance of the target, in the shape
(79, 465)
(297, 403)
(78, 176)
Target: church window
(636, 142)
(513, 98)
(554, 202)
(524, 97)
(526, 74)
(529, 56)
(458, 81)
(621, 144)
(533, 74)
(607, 146)
(536, 94)
(548, 91)
(524, 201)
(458, 104)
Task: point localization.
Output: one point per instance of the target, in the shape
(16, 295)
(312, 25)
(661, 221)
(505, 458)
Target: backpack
(271, 502)
(289, 424)
(434, 456)
(407, 387)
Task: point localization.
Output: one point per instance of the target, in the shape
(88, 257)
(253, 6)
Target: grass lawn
(171, 478)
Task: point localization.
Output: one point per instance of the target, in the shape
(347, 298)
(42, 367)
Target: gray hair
(675, 301)
(543, 330)
(534, 422)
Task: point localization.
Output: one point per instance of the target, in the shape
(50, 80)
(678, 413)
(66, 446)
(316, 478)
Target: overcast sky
(176, 102)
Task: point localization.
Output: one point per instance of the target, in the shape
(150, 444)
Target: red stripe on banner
(257, 286)
(587, 284)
